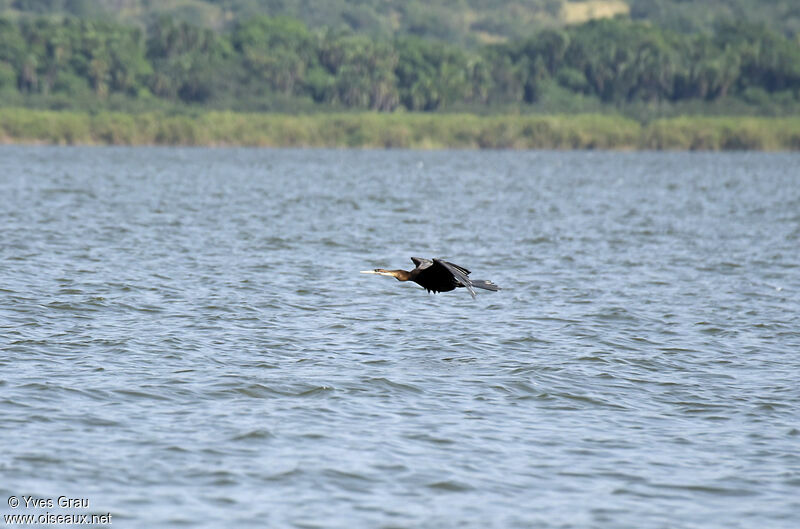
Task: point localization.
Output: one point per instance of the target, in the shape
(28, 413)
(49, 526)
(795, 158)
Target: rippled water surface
(186, 339)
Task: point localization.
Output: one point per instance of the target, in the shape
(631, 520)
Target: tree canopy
(459, 22)
(266, 63)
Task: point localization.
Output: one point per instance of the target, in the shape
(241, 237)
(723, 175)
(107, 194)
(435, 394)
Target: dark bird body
(437, 276)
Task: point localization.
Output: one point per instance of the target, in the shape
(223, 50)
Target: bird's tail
(484, 284)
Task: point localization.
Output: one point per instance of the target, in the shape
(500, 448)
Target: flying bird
(437, 276)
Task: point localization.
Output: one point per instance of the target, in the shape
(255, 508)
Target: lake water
(186, 339)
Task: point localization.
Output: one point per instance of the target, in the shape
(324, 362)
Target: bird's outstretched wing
(421, 262)
(461, 268)
(459, 274)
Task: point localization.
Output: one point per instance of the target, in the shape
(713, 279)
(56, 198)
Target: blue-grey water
(186, 339)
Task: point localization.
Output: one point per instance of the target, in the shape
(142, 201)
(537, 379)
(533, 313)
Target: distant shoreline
(399, 130)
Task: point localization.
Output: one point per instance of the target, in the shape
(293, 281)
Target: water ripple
(186, 339)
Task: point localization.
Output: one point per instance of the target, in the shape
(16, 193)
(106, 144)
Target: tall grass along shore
(399, 130)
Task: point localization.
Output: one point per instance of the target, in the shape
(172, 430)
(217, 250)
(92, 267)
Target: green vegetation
(398, 130)
(159, 79)
(460, 22)
(278, 64)
(782, 16)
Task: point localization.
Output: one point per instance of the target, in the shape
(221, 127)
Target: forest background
(465, 73)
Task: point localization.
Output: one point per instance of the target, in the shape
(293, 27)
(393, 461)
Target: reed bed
(399, 130)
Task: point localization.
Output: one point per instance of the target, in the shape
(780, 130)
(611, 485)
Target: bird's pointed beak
(378, 271)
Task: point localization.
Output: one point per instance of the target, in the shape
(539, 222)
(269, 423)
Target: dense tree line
(459, 22)
(277, 63)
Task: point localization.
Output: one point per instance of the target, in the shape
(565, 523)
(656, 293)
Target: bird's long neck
(401, 275)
